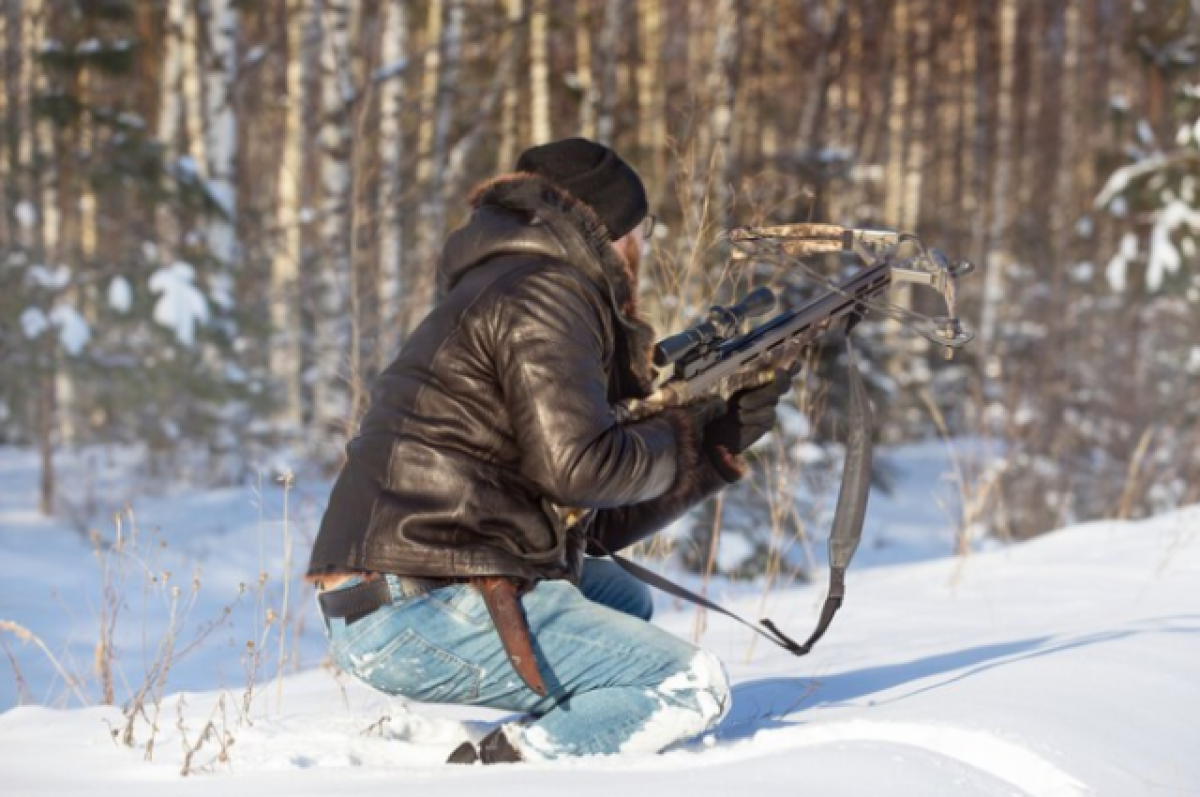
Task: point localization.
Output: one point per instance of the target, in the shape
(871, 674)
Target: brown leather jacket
(499, 405)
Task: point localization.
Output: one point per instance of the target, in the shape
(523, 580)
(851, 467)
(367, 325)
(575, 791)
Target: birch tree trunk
(722, 95)
(221, 32)
(170, 112)
(1029, 158)
(772, 60)
(652, 134)
(998, 253)
(33, 145)
(510, 115)
(584, 73)
(975, 107)
(918, 121)
(361, 222)
(391, 177)
(1063, 210)
(332, 348)
(285, 349)
(897, 115)
(87, 195)
(539, 72)
(610, 38)
(438, 102)
(48, 174)
(190, 83)
(8, 105)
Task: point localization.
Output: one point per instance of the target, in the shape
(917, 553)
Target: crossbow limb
(909, 259)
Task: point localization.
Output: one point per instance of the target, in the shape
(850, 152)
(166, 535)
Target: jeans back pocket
(411, 666)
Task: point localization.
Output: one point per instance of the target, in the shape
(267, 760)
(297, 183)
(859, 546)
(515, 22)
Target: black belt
(354, 603)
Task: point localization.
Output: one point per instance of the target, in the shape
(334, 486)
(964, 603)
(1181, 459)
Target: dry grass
(26, 636)
(128, 562)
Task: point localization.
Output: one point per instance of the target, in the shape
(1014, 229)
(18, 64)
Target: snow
(1118, 266)
(27, 215)
(181, 307)
(187, 167)
(33, 322)
(221, 291)
(389, 71)
(130, 119)
(1164, 257)
(1145, 133)
(707, 679)
(1120, 179)
(52, 279)
(73, 332)
(120, 295)
(1061, 666)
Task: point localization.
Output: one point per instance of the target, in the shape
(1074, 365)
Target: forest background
(221, 218)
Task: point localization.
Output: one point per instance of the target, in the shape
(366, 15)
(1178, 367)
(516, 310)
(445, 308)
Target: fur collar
(586, 242)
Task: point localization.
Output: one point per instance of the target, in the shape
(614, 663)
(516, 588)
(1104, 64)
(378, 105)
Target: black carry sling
(843, 537)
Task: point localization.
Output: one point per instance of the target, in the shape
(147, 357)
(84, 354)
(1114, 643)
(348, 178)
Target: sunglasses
(648, 224)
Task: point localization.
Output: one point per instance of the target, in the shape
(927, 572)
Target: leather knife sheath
(502, 597)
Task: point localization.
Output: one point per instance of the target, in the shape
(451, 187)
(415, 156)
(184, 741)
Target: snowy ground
(1062, 666)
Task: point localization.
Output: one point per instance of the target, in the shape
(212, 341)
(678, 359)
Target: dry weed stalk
(210, 732)
(978, 491)
(26, 636)
(287, 480)
(1133, 476)
(710, 564)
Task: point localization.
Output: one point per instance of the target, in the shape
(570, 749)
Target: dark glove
(750, 415)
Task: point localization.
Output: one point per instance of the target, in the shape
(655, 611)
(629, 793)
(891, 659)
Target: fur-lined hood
(524, 213)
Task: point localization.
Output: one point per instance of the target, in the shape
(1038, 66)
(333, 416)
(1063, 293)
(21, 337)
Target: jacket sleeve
(550, 354)
(620, 527)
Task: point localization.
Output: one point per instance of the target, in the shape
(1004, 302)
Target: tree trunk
(584, 73)
(285, 350)
(610, 39)
(539, 73)
(391, 176)
(195, 119)
(510, 116)
(998, 253)
(652, 134)
(8, 109)
(45, 434)
(221, 73)
(722, 85)
(333, 348)
(438, 103)
(897, 115)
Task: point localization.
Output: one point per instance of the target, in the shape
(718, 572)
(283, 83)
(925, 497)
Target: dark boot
(492, 749)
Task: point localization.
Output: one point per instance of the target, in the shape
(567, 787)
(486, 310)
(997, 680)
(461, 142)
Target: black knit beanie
(593, 174)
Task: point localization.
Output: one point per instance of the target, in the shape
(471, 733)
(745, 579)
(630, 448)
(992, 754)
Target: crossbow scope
(721, 323)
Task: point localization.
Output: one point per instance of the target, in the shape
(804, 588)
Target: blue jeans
(617, 684)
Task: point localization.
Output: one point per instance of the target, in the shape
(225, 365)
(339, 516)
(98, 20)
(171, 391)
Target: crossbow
(714, 357)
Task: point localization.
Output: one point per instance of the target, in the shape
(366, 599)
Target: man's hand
(751, 414)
